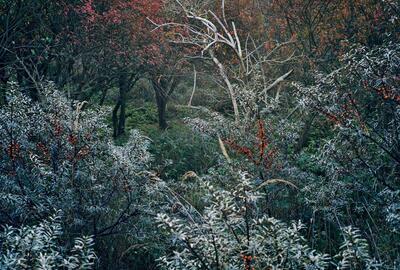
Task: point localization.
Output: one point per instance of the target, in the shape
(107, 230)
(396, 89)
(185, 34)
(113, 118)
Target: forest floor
(176, 150)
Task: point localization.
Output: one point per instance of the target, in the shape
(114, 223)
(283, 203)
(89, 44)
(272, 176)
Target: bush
(56, 154)
(233, 233)
(40, 247)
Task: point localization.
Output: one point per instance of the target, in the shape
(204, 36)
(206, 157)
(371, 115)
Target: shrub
(40, 247)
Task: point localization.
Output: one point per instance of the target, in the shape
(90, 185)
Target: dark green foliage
(304, 175)
(177, 149)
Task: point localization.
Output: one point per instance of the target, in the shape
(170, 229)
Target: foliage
(359, 104)
(233, 233)
(39, 247)
(292, 161)
(179, 150)
(325, 29)
(354, 252)
(57, 155)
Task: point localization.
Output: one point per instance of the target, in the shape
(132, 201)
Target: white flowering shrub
(356, 158)
(58, 154)
(40, 247)
(347, 168)
(392, 202)
(233, 233)
(354, 252)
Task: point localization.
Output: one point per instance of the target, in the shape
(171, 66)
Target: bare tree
(208, 32)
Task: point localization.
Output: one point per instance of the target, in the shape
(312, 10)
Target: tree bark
(194, 86)
(115, 119)
(224, 75)
(303, 140)
(103, 95)
(120, 119)
(161, 100)
(123, 90)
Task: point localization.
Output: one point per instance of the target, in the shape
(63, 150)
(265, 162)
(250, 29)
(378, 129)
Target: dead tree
(207, 31)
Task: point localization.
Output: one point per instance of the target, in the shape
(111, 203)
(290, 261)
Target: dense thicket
(199, 134)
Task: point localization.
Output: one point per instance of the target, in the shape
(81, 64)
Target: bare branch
(277, 81)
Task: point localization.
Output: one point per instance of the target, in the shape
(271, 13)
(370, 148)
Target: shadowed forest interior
(200, 134)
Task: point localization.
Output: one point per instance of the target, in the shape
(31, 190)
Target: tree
(30, 33)
(165, 75)
(322, 31)
(118, 33)
(210, 34)
(324, 28)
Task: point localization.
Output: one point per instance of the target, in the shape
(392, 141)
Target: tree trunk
(304, 136)
(123, 90)
(103, 95)
(194, 86)
(161, 100)
(115, 119)
(119, 120)
(224, 76)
